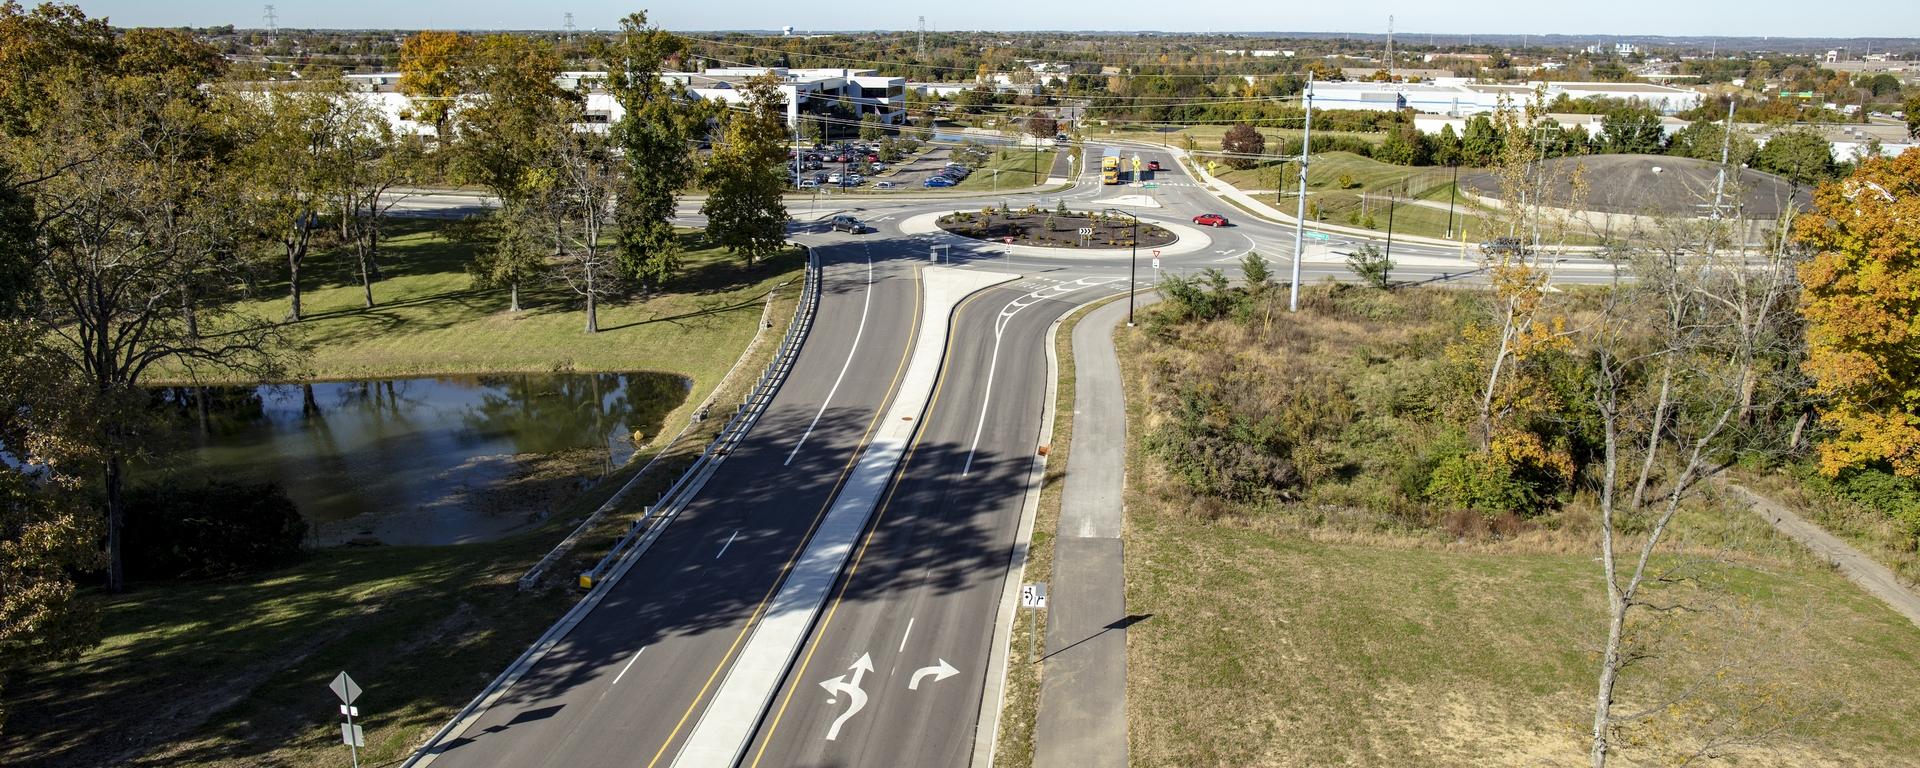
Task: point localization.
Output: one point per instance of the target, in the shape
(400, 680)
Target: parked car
(1153, 165)
(885, 185)
(938, 181)
(833, 178)
(1061, 137)
(1210, 220)
(809, 184)
(877, 166)
(1506, 245)
(848, 224)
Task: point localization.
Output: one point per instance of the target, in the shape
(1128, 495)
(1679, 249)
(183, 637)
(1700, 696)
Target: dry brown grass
(1350, 629)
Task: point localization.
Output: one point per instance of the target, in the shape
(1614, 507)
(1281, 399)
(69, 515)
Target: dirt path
(1870, 575)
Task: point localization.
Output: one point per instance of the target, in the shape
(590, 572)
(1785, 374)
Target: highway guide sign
(1318, 236)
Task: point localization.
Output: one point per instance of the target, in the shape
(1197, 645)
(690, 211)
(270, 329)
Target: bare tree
(1719, 316)
(361, 185)
(586, 185)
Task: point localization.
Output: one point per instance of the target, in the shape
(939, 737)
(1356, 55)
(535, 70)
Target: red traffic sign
(1156, 253)
(1007, 240)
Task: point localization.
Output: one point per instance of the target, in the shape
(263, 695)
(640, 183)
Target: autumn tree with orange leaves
(1862, 305)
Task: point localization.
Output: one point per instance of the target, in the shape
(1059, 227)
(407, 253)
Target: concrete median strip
(728, 724)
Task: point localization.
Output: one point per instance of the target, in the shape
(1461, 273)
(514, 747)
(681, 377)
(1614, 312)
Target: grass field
(233, 673)
(1329, 632)
(1016, 167)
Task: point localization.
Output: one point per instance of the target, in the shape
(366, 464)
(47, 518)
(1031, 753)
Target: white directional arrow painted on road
(850, 687)
(940, 672)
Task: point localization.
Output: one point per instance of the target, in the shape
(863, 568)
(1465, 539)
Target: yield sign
(345, 688)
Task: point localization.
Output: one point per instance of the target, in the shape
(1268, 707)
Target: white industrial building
(863, 91)
(1460, 97)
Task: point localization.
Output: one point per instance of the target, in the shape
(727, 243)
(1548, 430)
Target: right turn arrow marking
(940, 672)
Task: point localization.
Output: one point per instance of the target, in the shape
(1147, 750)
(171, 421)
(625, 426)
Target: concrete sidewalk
(1082, 719)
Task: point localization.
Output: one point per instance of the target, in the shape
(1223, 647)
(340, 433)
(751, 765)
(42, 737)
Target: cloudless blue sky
(1790, 18)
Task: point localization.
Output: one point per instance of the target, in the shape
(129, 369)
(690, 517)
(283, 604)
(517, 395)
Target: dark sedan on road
(1210, 220)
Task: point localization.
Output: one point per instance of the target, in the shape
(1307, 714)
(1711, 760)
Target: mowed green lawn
(431, 319)
(1017, 169)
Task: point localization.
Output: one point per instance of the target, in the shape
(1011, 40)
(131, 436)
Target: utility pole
(1452, 194)
(1726, 148)
(1300, 214)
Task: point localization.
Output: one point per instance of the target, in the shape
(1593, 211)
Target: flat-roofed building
(1453, 98)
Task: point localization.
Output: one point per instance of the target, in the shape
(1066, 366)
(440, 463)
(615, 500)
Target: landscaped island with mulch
(1056, 228)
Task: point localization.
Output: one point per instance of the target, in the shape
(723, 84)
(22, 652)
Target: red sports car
(1210, 220)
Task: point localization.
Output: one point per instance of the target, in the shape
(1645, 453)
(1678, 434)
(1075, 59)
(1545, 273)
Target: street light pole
(1133, 262)
(1300, 215)
(1452, 193)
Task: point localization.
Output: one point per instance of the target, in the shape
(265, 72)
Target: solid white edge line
(986, 737)
(851, 351)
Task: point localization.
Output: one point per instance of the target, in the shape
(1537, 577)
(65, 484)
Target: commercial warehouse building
(1459, 97)
(861, 91)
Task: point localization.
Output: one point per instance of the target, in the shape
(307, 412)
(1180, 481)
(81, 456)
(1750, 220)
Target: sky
(1735, 18)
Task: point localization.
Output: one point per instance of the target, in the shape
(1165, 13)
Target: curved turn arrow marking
(940, 672)
(841, 684)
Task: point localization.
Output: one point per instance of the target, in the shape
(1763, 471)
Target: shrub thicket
(209, 531)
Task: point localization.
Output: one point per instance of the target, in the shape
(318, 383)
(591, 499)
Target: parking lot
(909, 174)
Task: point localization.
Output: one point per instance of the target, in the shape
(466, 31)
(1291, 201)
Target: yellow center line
(878, 413)
(821, 631)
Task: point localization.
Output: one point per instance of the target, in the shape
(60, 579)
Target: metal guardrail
(676, 497)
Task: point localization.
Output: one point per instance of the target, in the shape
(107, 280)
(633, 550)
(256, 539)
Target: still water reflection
(406, 461)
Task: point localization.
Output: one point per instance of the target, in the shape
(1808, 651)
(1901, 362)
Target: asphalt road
(624, 685)
(920, 598)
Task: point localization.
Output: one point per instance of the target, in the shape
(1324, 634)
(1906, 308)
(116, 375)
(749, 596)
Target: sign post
(1034, 598)
(1009, 243)
(1156, 264)
(348, 691)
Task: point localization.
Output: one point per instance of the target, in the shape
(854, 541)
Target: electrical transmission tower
(272, 27)
(923, 37)
(569, 27)
(1389, 48)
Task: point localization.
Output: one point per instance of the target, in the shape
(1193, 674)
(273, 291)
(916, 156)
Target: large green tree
(1631, 129)
(746, 175)
(1702, 140)
(293, 149)
(656, 137)
(1800, 154)
(131, 176)
(506, 144)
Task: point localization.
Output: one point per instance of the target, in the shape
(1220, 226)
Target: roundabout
(1178, 238)
(1059, 228)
